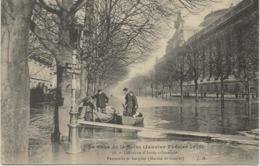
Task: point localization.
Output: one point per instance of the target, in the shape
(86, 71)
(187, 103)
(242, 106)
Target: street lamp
(73, 125)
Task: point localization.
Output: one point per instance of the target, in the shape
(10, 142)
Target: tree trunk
(152, 90)
(56, 132)
(181, 91)
(196, 90)
(15, 102)
(170, 91)
(247, 104)
(64, 78)
(83, 83)
(222, 91)
(88, 86)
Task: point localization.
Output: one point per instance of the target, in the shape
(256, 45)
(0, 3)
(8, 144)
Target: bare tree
(221, 64)
(248, 59)
(150, 78)
(179, 67)
(194, 60)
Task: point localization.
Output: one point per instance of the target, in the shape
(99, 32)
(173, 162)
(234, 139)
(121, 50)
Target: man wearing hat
(128, 103)
(101, 101)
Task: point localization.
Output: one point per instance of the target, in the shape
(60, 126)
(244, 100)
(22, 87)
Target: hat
(125, 89)
(99, 90)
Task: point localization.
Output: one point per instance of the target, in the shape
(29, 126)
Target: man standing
(128, 103)
(101, 101)
(135, 103)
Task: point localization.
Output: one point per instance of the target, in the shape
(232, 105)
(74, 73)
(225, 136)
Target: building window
(216, 88)
(226, 88)
(208, 88)
(237, 88)
(201, 88)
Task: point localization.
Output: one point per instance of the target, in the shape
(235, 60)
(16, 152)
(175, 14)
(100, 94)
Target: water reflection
(201, 117)
(107, 133)
(40, 128)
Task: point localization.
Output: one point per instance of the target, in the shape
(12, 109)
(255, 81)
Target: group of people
(130, 106)
(101, 103)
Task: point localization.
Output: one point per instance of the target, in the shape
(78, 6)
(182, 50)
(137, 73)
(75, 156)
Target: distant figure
(128, 103)
(101, 101)
(135, 103)
(87, 106)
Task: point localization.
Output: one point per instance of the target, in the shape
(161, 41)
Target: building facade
(222, 44)
(233, 35)
(42, 70)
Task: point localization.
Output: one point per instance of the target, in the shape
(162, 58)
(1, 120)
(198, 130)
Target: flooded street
(202, 117)
(110, 145)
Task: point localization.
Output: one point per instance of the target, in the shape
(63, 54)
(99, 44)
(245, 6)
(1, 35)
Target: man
(135, 103)
(101, 101)
(128, 103)
(87, 106)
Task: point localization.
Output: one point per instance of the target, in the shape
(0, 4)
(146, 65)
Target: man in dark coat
(101, 101)
(135, 103)
(128, 103)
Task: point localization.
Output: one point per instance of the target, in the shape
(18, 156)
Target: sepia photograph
(130, 82)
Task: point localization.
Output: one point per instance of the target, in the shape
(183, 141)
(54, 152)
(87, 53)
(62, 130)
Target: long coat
(129, 100)
(101, 100)
(129, 105)
(135, 103)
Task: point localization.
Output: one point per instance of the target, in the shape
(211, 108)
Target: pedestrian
(87, 106)
(135, 103)
(128, 103)
(101, 101)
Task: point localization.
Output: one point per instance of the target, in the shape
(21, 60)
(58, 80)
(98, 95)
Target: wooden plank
(212, 136)
(175, 132)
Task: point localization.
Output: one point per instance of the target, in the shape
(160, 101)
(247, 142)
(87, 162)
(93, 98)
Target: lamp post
(74, 146)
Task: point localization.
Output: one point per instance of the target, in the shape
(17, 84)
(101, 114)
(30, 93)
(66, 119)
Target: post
(74, 146)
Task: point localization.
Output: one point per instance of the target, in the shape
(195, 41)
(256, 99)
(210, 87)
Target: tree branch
(59, 3)
(78, 5)
(44, 39)
(44, 5)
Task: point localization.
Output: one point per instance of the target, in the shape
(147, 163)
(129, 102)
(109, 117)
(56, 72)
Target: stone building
(42, 69)
(231, 33)
(222, 42)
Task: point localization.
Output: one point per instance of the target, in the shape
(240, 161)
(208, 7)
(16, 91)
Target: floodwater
(118, 146)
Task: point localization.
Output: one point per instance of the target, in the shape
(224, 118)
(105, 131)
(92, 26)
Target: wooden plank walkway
(213, 136)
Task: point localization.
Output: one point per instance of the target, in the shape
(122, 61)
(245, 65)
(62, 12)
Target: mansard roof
(213, 16)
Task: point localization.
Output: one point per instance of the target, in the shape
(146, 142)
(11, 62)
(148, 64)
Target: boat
(108, 117)
(130, 121)
(112, 117)
(100, 117)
